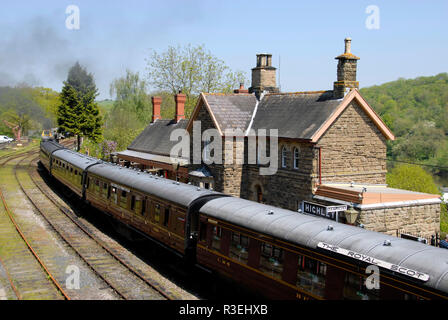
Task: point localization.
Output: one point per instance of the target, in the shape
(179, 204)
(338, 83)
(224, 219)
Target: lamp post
(351, 215)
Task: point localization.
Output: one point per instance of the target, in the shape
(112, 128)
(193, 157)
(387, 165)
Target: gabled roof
(295, 115)
(156, 137)
(307, 115)
(228, 111)
(354, 95)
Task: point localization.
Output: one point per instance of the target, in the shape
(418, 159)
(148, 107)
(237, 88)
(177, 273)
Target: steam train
(280, 253)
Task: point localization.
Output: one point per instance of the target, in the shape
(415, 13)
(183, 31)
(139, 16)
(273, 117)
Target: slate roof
(156, 137)
(295, 115)
(232, 111)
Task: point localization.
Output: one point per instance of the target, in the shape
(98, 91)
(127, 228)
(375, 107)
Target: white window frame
(284, 157)
(296, 157)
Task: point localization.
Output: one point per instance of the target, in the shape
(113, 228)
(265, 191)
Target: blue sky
(35, 45)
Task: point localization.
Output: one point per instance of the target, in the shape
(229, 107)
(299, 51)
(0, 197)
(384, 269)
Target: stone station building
(331, 150)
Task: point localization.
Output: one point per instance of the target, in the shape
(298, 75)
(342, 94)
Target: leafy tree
(190, 70)
(413, 178)
(78, 112)
(131, 96)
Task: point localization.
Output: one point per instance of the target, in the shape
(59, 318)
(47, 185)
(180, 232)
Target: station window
(239, 247)
(271, 260)
(216, 239)
(355, 288)
(311, 275)
(296, 158)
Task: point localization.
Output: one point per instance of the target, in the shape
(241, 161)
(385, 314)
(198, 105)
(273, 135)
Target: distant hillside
(417, 112)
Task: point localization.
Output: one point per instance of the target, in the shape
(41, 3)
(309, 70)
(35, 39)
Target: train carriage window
(203, 231)
(123, 199)
(166, 217)
(105, 191)
(216, 239)
(355, 288)
(97, 186)
(271, 260)
(180, 225)
(132, 203)
(157, 212)
(239, 247)
(311, 275)
(114, 192)
(144, 204)
(138, 205)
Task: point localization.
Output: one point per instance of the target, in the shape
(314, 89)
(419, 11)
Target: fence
(432, 240)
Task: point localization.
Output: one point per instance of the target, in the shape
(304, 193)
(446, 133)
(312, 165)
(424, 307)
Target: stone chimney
(156, 103)
(263, 75)
(346, 71)
(180, 99)
(241, 89)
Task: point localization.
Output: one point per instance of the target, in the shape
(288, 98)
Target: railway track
(120, 274)
(113, 249)
(29, 277)
(107, 262)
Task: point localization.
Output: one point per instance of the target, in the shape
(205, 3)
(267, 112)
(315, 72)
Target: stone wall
(423, 220)
(263, 77)
(353, 149)
(288, 186)
(227, 176)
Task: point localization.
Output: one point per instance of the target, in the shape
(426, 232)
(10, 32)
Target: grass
(18, 150)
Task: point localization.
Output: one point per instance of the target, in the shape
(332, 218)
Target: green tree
(131, 95)
(191, 70)
(411, 177)
(78, 112)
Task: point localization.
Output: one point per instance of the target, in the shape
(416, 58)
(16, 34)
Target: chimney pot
(346, 71)
(156, 103)
(180, 99)
(348, 45)
(241, 89)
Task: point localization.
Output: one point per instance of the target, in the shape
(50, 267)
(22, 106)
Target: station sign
(329, 212)
(373, 261)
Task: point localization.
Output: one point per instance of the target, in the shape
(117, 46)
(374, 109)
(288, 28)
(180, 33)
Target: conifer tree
(78, 112)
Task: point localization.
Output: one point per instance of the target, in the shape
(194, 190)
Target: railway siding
(140, 268)
(105, 266)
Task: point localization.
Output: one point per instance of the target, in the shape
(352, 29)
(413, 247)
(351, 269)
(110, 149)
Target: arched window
(206, 151)
(284, 157)
(296, 158)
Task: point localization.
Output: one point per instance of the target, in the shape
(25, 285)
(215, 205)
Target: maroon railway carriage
(280, 253)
